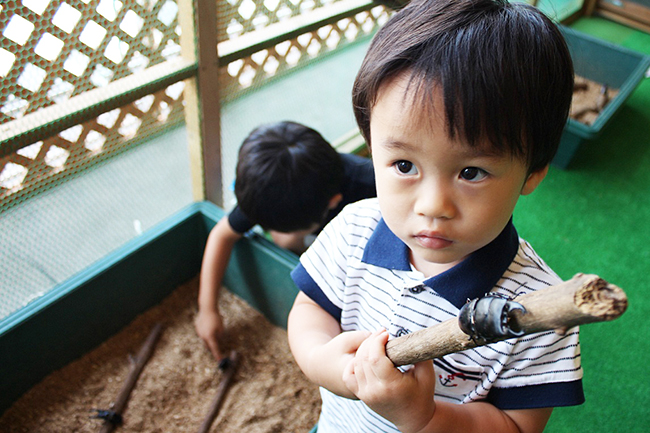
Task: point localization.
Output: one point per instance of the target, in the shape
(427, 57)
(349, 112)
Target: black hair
(504, 70)
(286, 175)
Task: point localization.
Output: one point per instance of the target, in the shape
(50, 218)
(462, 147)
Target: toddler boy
(462, 104)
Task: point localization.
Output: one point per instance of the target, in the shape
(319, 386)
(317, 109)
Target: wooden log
(137, 365)
(229, 372)
(581, 300)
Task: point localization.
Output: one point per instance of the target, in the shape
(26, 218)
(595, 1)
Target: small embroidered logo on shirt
(450, 380)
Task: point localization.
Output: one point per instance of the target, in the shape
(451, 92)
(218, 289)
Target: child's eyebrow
(467, 151)
(480, 152)
(395, 144)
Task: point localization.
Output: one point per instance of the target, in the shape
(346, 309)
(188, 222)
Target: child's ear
(334, 201)
(534, 179)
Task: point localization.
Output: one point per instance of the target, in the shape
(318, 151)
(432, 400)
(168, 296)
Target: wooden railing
(85, 80)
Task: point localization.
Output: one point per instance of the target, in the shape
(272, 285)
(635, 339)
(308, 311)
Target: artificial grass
(592, 218)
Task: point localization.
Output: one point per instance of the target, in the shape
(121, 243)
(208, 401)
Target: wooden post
(588, 7)
(581, 300)
(202, 105)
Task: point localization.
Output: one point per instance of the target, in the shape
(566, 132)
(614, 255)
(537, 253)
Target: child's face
(441, 197)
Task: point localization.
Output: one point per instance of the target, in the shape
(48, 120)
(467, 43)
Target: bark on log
(581, 300)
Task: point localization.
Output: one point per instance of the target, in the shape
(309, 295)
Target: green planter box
(603, 63)
(79, 314)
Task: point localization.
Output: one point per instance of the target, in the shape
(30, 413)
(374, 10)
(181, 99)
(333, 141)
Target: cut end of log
(601, 299)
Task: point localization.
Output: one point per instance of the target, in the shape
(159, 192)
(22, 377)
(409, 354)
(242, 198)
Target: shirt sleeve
(309, 287)
(543, 370)
(239, 222)
(321, 271)
(538, 396)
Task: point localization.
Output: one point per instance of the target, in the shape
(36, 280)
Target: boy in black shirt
(291, 182)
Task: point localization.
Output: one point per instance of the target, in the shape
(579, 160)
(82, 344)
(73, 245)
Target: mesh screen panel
(55, 50)
(71, 198)
(61, 231)
(306, 79)
(247, 16)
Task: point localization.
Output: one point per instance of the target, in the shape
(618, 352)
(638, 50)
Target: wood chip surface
(173, 394)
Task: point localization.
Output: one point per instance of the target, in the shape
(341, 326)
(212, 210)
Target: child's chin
(431, 262)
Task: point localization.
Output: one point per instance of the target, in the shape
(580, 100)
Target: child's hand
(406, 399)
(209, 327)
(332, 358)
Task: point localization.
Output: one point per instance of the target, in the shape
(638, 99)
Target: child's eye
(473, 174)
(406, 167)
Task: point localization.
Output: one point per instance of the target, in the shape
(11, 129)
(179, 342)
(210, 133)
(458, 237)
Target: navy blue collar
(472, 278)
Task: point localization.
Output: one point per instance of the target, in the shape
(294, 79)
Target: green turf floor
(593, 218)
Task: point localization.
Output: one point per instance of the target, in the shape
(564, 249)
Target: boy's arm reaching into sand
(208, 323)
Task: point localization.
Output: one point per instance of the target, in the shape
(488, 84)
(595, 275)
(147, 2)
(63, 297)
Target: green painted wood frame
(82, 312)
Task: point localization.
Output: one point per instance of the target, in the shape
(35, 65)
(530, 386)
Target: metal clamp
(488, 319)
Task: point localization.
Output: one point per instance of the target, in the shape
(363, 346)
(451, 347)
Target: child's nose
(435, 201)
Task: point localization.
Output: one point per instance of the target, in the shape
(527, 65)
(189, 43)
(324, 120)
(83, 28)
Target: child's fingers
(376, 359)
(213, 346)
(350, 379)
(365, 348)
(424, 374)
(370, 361)
(354, 375)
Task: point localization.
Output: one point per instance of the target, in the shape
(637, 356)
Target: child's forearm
(310, 328)
(217, 253)
(208, 323)
(317, 350)
(482, 417)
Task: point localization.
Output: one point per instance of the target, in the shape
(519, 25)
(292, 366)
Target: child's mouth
(432, 241)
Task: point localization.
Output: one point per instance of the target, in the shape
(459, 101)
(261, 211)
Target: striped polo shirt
(359, 272)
